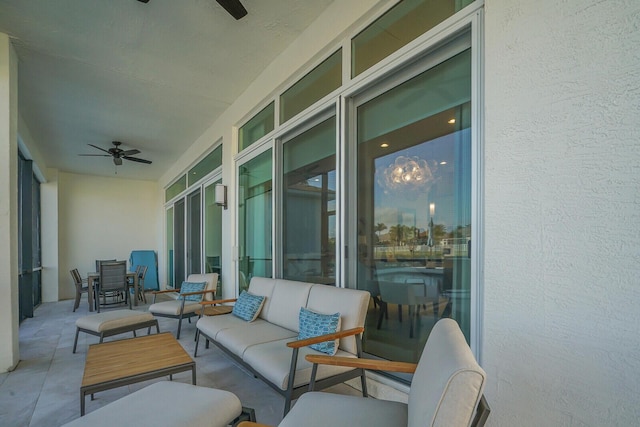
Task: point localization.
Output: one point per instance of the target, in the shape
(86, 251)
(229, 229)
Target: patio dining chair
(81, 287)
(142, 272)
(112, 283)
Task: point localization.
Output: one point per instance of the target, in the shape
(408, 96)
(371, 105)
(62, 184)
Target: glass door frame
(281, 139)
(465, 34)
(250, 153)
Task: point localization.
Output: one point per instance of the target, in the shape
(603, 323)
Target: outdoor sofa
(269, 346)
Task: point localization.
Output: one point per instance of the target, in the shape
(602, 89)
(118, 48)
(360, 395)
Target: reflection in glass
(309, 205)
(414, 208)
(254, 219)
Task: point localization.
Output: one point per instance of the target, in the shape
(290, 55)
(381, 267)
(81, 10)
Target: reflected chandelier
(408, 173)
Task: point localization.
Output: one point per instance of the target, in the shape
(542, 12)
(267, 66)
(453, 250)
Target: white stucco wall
(102, 218)
(8, 205)
(562, 199)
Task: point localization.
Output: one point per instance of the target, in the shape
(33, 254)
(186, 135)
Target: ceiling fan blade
(101, 149)
(117, 161)
(234, 7)
(130, 152)
(95, 155)
(135, 159)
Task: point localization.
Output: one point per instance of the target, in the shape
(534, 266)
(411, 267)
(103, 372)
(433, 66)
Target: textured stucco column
(9, 354)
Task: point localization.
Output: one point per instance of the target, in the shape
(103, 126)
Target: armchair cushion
(188, 287)
(248, 306)
(317, 409)
(314, 324)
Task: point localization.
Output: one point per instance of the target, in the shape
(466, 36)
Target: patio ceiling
(154, 76)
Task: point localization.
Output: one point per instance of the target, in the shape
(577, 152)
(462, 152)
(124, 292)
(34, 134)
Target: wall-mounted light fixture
(221, 195)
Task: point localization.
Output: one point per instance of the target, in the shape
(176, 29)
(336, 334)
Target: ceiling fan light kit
(118, 154)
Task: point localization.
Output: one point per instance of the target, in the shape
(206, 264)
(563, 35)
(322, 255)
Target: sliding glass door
(309, 205)
(414, 207)
(29, 261)
(255, 209)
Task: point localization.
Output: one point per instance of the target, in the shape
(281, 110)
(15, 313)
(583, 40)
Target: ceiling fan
(234, 7)
(118, 154)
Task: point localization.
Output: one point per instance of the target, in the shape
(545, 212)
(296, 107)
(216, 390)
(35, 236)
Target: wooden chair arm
(370, 364)
(251, 424)
(166, 291)
(218, 301)
(328, 337)
(206, 291)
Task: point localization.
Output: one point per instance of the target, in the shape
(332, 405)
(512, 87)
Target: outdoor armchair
(181, 306)
(446, 389)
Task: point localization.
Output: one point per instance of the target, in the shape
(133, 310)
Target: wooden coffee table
(119, 363)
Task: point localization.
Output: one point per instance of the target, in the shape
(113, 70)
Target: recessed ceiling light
(443, 162)
(384, 145)
(451, 121)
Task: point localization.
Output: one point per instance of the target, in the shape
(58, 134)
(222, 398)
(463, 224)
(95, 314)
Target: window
(402, 24)
(259, 125)
(205, 166)
(176, 188)
(414, 207)
(309, 205)
(321, 81)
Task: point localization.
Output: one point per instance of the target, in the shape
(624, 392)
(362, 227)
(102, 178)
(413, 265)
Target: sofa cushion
(211, 325)
(310, 410)
(262, 286)
(352, 305)
(314, 324)
(188, 287)
(285, 302)
(248, 306)
(239, 338)
(273, 361)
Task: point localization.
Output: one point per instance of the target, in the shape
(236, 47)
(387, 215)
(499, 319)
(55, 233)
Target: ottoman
(113, 323)
(167, 404)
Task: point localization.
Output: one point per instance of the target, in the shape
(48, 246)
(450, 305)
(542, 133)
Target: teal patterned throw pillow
(314, 324)
(248, 306)
(188, 287)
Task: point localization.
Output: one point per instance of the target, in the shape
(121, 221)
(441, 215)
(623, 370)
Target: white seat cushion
(273, 361)
(238, 339)
(167, 404)
(327, 409)
(212, 325)
(108, 320)
(172, 308)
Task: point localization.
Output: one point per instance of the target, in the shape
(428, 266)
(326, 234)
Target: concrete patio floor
(44, 389)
